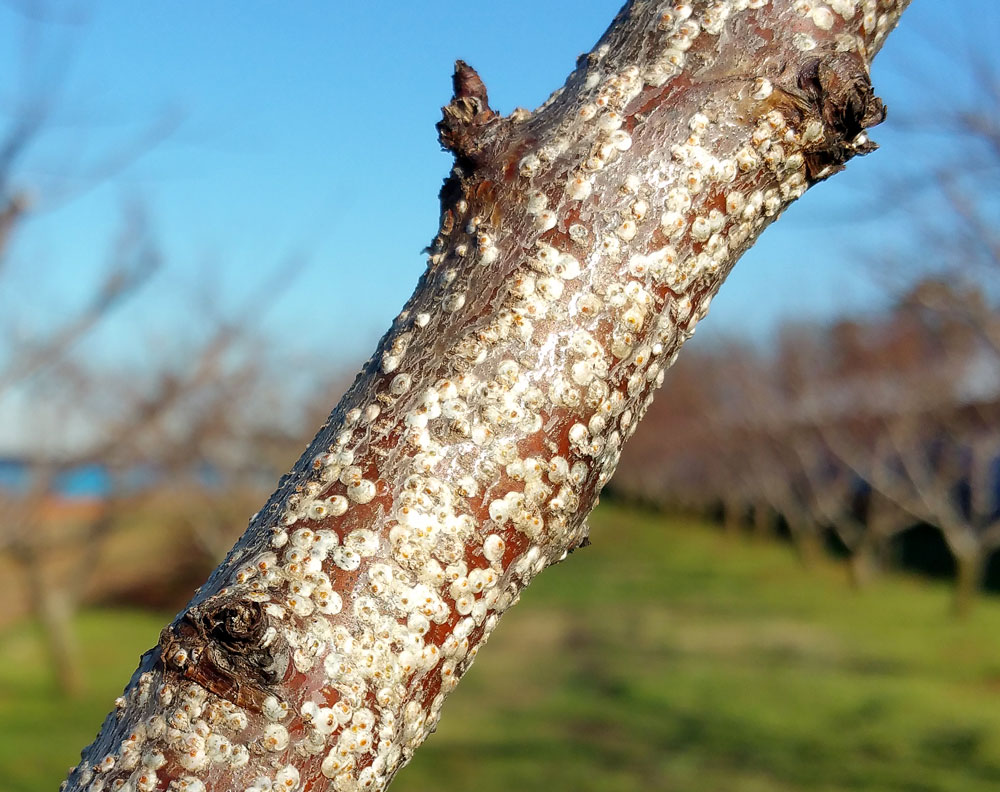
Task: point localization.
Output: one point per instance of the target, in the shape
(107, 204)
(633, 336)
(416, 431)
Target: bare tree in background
(926, 437)
(169, 424)
(29, 361)
(936, 451)
(865, 428)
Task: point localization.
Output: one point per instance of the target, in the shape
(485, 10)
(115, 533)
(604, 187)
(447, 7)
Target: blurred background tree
(172, 451)
(860, 432)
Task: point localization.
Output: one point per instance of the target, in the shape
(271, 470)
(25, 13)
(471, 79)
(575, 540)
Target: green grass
(663, 657)
(40, 734)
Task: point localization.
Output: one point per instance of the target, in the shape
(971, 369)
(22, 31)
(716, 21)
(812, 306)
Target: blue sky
(308, 128)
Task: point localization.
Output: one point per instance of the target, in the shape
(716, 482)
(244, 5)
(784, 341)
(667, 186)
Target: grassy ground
(40, 735)
(663, 657)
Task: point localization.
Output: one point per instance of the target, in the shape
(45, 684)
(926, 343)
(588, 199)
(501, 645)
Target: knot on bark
(838, 89)
(228, 646)
(461, 129)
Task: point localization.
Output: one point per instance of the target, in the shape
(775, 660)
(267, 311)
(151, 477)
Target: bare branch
(579, 246)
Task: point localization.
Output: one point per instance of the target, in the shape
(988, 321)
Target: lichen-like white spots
(714, 19)
(537, 201)
(621, 140)
(361, 491)
(812, 132)
(286, 779)
(762, 88)
(421, 587)
(694, 181)
(345, 559)
(700, 229)
(567, 267)
(589, 304)
(698, 123)
(610, 247)
(545, 220)
(336, 505)
(627, 230)
(549, 289)
(674, 59)
(673, 223)
(362, 541)
(747, 159)
(578, 433)
(335, 762)
(822, 17)
(274, 710)
(390, 362)
(775, 120)
(578, 188)
(328, 601)
(735, 201)
(275, 737)
(804, 42)
(579, 233)
(845, 8)
(633, 319)
(682, 11)
(454, 302)
(529, 166)
(400, 384)
(638, 265)
(772, 202)
(609, 121)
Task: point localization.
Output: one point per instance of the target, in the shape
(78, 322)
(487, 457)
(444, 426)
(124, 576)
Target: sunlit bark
(579, 245)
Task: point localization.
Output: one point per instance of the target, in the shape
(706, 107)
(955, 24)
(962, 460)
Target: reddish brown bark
(579, 246)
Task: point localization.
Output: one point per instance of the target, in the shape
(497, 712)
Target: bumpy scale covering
(579, 246)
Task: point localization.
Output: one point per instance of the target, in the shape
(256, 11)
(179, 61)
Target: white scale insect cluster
(467, 457)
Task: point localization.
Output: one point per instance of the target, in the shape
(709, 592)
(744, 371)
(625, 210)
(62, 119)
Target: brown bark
(579, 246)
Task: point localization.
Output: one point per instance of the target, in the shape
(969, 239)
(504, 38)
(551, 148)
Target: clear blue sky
(309, 127)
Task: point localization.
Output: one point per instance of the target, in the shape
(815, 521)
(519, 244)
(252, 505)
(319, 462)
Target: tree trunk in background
(732, 515)
(763, 520)
(969, 570)
(53, 607)
(807, 541)
(864, 562)
(579, 245)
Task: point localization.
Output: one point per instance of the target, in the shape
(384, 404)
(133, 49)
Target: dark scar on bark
(836, 89)
(225, 644)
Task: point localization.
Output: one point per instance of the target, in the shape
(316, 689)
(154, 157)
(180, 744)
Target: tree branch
(579, 246)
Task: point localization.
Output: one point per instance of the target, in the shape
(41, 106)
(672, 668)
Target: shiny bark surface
(579, 246)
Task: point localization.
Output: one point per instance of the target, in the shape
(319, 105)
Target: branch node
(225, 645)
(837, 87)
(465, 118)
